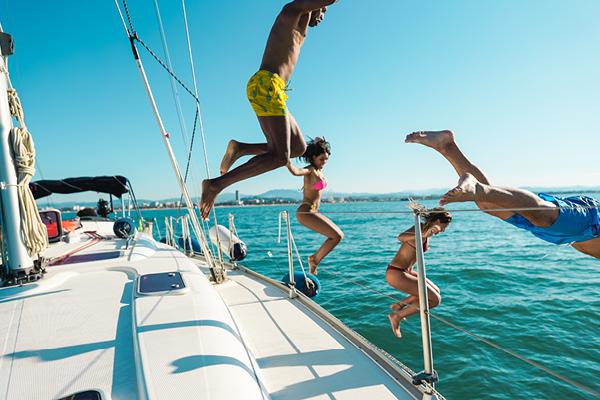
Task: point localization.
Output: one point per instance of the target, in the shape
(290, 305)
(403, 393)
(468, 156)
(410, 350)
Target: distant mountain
(280, 194)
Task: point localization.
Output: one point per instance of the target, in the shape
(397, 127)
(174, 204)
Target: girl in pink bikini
(400, 274)
(316, 155)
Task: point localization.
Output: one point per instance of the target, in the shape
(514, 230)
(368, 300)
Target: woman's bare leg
(323, 225)
(408, 283)
(405, 302)
(443, 142)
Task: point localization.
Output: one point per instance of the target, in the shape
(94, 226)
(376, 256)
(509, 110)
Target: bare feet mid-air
(437, 140)
(395, 322)
(464, 191)
(231, 155)
(209, 193)
(312, 266)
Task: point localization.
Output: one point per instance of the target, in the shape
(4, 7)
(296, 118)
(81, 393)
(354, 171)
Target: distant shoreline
(251, 202)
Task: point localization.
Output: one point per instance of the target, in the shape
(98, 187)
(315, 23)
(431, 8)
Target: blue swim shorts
(577, 221)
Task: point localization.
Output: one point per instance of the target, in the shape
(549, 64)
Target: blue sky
(518, 82)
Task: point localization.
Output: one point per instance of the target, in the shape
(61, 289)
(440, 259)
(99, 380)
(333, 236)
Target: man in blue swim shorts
(266, 92)
(571, 220)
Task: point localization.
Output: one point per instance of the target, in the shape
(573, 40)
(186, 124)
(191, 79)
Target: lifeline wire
(458, 210)
(483, 340)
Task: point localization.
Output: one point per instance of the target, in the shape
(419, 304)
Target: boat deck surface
(299, 354)
(86, 326)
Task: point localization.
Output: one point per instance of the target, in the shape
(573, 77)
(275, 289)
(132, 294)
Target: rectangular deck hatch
(87, 395)
(162, 282)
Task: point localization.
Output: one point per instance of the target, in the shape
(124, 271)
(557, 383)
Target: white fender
(227, 241)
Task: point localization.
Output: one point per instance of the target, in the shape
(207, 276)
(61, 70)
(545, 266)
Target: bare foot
(437, 140)
(464, 191)
(395, 322)
(312, 266)
(231, 155)
(209, 193)
(398, 306)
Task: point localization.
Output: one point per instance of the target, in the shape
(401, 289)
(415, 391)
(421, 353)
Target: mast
(18, 259)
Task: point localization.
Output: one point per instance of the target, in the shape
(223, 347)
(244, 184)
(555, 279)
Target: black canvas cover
(115, 185)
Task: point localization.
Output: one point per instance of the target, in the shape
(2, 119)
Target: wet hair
(314, 148)
(437, 214)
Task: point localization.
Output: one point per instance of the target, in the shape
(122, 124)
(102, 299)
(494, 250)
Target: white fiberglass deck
(86, 327)
(299, 354)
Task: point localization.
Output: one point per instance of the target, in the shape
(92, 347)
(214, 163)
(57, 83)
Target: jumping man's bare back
(288, 34)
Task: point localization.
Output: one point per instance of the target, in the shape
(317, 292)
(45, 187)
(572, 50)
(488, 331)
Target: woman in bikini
(316, 155)
(400, 274)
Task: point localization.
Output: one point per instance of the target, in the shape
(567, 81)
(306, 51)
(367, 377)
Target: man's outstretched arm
(308, 5)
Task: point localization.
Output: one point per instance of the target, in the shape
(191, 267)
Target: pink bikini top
(320, 185)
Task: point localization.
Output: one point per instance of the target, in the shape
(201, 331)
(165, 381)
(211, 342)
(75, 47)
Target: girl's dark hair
(315, 147)
(438, 214)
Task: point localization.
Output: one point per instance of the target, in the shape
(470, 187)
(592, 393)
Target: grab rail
(292, 284)
(428, 374)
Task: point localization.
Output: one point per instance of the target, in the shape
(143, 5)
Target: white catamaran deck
(85, 326)
(300, 356)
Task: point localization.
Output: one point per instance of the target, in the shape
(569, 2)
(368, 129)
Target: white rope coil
(33, 231)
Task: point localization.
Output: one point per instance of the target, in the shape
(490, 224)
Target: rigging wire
(134, 36)
(176, 98)
(199, 118)
(475, 336)
(194, 80)
(217, 274)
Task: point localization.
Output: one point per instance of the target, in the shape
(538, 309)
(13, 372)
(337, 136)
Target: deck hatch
(87, 395)
(162, 282)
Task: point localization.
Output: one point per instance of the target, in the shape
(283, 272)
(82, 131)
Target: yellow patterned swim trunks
(266, 93)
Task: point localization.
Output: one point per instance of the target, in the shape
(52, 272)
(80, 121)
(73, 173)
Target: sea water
(533, 298)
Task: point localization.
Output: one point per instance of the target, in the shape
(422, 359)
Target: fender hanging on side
(310, 288)
(229, 243)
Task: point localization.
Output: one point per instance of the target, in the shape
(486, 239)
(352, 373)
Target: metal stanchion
(428, 374)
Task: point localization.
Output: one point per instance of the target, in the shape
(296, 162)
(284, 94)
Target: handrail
(428, 374)
(292, 284)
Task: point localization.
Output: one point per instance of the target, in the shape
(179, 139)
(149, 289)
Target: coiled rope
(33, 231)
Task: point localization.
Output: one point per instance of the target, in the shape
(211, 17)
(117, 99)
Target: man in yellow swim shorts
(267, 96)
